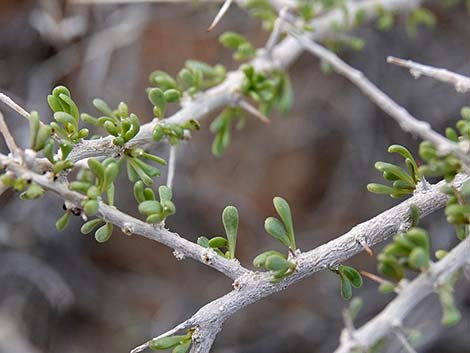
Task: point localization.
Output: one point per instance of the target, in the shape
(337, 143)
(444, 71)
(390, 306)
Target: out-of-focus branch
(9, 140)
(410, 296)
(406, 121)
(13, 105)
(226, 93)
(461, 83)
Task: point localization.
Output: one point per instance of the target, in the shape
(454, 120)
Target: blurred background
(63, 292)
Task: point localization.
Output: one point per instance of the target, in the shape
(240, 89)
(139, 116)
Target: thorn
(374, 277)
(253, 111)
(366, 247)
(220, 14)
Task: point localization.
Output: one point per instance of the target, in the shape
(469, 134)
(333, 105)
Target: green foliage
(179, 343)
(195, 76)
(349, 278)
(275, 262)
(138, 168)
(419, 17)
(269, 90)
(409, 251)
(283, 231)
(385, 19)
(403, 182)
(447, 165)
(221, 127)
(264, 11)
(457, 208)
(224, 246)
(243, 50)
(66, 116)
(450, 314)
(155, 210)
(174, 132)
(119, 123)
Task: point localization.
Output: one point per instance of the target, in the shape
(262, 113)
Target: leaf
(203, 241)
(230, 221)
(91, 207)
(150, 207)
(346, 289)
(277, 263)
(157, 98)
(352, 275)
(90, 225)
(260, 260)
(218, 242)
(182, 348)
(165, 193)
(418, 259)
(104, 233)
(232, 40)
(283, 209)
(167, 342)
(63, 221)
(139, 191)
(276, 229)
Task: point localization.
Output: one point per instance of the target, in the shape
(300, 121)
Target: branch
(461, 83)
(230, 268)
(253, 287)
(406, 121)
(9, 140)
(227, 92)
(8, 101)
(410, 296)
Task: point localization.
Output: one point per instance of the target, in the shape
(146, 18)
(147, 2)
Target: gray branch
(280, 57)
(461, 83)
(410, 296)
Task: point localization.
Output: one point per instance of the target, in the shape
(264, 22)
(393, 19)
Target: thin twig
(10, 141)
(171, 167)
(411, 295)
(403, 340)
(13, 105)
(406, 121)
(461, 83)
(220, 14)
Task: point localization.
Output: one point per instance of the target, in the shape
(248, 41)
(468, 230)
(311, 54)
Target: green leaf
(165, 193)
(346, 289)
(203, 241)
(139, 191)
(150, 207)
(182, 348)
(96, 168)
(103, 107)
(63, 221)
(90, 225)
(167, 342)
(277, 263)
(157, 98)
(380, 189)
(91, 207)
(104, 233)
(260, 260)
(418, 259)
(352, 275)
(218, 242)
(232, 40)
(283, 209)
(276, 229)
(230, 221)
